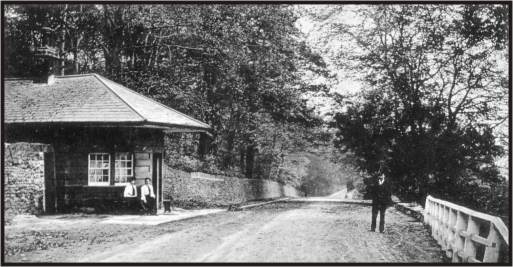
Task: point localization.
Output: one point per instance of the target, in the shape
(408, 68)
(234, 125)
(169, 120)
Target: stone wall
(24, 178)
(206, 189)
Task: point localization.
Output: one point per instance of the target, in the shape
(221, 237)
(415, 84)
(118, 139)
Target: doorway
(50, 189)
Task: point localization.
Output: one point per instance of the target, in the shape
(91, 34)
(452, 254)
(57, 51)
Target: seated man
(148, 197)
(130, 196)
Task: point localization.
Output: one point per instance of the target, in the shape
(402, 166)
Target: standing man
(130, 196)
(381, 199)
(148, 197)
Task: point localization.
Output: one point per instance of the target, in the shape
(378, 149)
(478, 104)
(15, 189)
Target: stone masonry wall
(24, 178)
(205, 189)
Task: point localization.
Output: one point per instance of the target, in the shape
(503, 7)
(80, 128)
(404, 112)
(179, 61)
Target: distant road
(342, 194)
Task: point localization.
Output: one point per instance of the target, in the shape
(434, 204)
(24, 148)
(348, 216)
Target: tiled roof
(88, 98)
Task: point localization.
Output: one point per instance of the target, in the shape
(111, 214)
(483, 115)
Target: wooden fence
(467, 235)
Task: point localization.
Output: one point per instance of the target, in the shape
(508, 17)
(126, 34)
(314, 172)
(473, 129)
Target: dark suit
(381, 199)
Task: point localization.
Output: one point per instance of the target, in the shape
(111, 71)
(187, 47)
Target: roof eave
(180, 128)
(136, 124)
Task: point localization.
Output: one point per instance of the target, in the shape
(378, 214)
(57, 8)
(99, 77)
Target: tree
(431, 82)
(237, 67)
(69, 28)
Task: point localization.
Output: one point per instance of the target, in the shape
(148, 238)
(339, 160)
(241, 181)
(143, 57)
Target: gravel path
(282, 232)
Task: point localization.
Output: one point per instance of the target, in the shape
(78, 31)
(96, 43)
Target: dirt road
(316, 232)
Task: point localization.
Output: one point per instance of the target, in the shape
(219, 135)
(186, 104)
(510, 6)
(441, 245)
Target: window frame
(89, 182)
(131, 168)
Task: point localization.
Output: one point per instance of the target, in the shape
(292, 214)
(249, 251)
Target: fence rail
(466, 235)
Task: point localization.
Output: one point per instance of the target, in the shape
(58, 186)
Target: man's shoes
(372, 230)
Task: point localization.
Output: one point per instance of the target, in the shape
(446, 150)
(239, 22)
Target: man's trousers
(381, 208)
(150, 205)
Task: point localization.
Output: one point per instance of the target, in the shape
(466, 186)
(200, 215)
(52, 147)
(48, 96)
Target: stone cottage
(74, 141)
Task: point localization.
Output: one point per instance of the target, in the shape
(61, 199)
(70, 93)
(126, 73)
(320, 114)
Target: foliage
(239, 68)
(426, 120)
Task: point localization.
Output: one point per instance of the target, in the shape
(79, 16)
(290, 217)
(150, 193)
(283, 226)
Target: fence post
(447, 229)
(492, 251)
(451, 232)
(459, 242)
(434, 219)
(438, 222)
(443, 222)
(469, 249)
(427, 212)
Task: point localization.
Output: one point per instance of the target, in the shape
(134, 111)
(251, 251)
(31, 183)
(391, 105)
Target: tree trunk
(228, 157)
(113, 34)
(250, 160)
(62, 43)
(75, 61)
(242, 159)
(132, 60)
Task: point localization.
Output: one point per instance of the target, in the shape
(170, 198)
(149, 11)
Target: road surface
(283, 232)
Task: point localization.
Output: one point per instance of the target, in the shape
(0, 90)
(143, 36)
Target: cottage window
(124, 167)
(99, 168)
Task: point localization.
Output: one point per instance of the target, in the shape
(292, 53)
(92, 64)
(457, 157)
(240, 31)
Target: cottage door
(157, 177)
(50, 194)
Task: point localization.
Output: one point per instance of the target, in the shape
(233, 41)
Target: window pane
(122, 156)
(123, 165)
(99, 166)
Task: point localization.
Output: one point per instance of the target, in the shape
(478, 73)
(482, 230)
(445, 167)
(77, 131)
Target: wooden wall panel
(142, 169)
